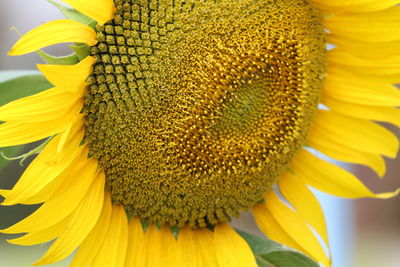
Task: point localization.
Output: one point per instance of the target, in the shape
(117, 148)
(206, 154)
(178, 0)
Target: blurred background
(363, 233)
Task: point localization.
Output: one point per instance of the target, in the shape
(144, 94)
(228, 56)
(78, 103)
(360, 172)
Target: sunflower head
(195, 108)
(187, 112)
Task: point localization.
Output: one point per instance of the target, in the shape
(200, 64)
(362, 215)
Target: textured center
(195, 108)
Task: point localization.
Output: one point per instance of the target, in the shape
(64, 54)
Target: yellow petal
(370, 74)
(170, 248)
(113, 250)
(364, 92)
(41, 236)
(153, 241)
(364, 49)
(192, 248)
(381, 26)
(99, 10)
(357, 76)
(330, 178)
(330, 147)
(385, 66)
(355, 6)
(91, 245)
(272, 229)
(54, 32)
(68, 77)
(188, 249)
(163, 244)
(38, 166)
(4, 192)
(375, 113)
(45, 169)
(204, 241)
(291, 223)
(355, 133)
(136, 244)
(64, 200)
(16, 133)
(45, 193)
(304, 201)
(82, 222)
(231, 249)
(63, 138)
(45, 106)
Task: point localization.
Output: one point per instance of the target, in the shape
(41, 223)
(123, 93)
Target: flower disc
(195, 108)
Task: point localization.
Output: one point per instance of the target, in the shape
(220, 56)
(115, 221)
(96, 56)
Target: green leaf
(11, 74)
(22, 86)
(71, 13)
(259, 245)
(287, 259)
(272, 254)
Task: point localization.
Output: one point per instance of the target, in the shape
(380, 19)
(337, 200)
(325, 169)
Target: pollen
(195, 108)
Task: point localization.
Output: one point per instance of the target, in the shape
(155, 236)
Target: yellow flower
(187, 113)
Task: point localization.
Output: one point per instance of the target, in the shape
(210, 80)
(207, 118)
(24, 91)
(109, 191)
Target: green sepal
(22, 86)
(92, 24)
(175, 231)
(71, 13)
(81, 50)
(290, 171)
(145, 225)
(64, 60)
(269, 253)
(24, 156)
(13, 150)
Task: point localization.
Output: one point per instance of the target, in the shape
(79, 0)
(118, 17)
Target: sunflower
(182, 114)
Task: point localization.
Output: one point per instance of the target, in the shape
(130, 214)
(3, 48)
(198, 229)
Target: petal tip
(7, 202)
(12, 52)
(5, 231)
(12, 241)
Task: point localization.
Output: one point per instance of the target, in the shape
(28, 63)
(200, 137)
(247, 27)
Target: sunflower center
(195, 108)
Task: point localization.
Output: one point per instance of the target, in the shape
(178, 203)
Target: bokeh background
(363, 233)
